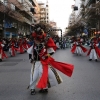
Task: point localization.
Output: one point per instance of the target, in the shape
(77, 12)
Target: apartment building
(17, 17)
(44, 12)
(87, 16)
(71, 19)
(54, 26)
(47, 12)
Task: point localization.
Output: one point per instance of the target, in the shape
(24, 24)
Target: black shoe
(0, 60)
(33, 92)
(90, 59)
(43, 91)
(96, 60)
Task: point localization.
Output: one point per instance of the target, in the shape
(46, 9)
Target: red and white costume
(25, 44)
(20, 48)
(94, 51)
(78, 48)
(45, 67)
(2, 53)
(12, 48)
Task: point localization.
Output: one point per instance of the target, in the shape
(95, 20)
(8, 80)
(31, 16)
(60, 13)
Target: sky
(59, 11)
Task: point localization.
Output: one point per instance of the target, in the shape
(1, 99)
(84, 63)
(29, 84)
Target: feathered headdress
(39, 33)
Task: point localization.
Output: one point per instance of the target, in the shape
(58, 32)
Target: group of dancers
(43, 74)
(93, 52)
(13, 46)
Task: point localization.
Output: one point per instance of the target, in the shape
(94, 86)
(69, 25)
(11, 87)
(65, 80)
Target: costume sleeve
(97, 45)
(30, 50)
(2, 45)
(50, 50)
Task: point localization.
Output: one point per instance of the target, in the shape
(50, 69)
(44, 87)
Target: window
(12, 7)
(21, 1)
(46, 5)
(2, 1)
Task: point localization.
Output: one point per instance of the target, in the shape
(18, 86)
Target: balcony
(27, 21)
(23, 5)
(97, 1)
(26, 3)
(34, 3)
(5, 7)
(98, 4)
(9, 9)
(90, 9)
(17, 3)
(16, 15)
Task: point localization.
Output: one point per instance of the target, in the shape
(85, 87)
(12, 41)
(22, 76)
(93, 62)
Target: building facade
(44, 12)
(17, 17)
(87, 17)
(47, 12)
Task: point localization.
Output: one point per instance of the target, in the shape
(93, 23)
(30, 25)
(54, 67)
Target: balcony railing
(98, 4)
(91, 8)
(5, 6)
(23, 5)
(92, 5)
(27, 3)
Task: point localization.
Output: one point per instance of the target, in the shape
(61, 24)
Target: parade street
(83, 85)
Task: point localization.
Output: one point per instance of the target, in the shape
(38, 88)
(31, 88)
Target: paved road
(83, 85)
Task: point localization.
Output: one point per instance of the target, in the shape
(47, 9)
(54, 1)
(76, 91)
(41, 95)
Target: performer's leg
(44, 90)
(71, 45)
(0, 57)
(95, 55)
(91, 55)
(33, 78)
(53, 77)
(76, 51)
(80, 50)
(10, 52)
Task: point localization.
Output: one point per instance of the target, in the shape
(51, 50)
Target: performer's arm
(97, 44)
(50, 51)
(30, 52)
(30, 58)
